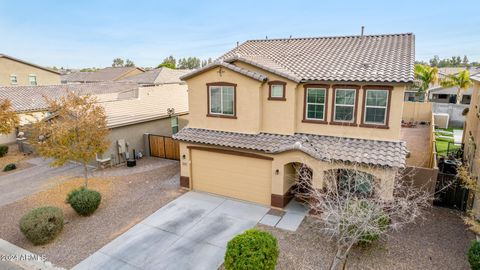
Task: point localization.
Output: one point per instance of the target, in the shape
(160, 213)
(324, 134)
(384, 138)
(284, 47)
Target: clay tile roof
(32, 98)
(369, 58)
(102, 75)
(158, 76)
(254, 75)
(381, 153)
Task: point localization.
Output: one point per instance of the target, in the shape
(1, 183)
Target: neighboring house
(16, 72)
(131, 110)
(449, 95)
(108, 74)
(447, 71)
(30, 101)
(471, 137)
(158, 76)
(158, 110)
(269, 105)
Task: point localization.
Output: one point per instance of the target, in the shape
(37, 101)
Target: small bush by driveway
(127, 198)
(440, 241)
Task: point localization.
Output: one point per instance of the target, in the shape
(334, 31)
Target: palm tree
(460, 80)
(427, 76)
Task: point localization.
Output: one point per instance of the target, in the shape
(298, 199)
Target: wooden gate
(164, 147)
(450, 192)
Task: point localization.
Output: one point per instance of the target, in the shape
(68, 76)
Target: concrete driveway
(17, 185)
(190, 232)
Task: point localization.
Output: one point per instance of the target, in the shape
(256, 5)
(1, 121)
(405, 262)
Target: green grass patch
(442, 147)
(443, 141)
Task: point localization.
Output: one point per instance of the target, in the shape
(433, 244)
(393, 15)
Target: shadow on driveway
(191, 232)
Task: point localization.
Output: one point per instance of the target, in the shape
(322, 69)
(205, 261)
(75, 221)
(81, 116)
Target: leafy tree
(129, 63)
(8, 117)
(189, 63)
(117, 62)
(168, 62)
(465, 62)
(426, 75)
(75, 131)
(460, 80)
(435, 61)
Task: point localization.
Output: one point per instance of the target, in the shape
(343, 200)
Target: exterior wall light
(277, 171)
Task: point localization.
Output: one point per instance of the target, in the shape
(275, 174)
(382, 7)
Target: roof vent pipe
(363, 28)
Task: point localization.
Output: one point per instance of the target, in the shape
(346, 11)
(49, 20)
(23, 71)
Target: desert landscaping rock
(132, 198)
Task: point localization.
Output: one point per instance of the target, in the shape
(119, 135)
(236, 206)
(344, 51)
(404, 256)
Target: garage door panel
(234, 176)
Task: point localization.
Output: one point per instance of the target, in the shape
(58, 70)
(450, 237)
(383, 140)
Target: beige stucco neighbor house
(16, 72)
(131, 109)
(269, 105)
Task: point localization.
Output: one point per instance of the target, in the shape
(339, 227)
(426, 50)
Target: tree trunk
(338, 262)
(85, 173)
(459, 96)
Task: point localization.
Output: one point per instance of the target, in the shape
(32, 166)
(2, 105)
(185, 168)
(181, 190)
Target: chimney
(363, 28)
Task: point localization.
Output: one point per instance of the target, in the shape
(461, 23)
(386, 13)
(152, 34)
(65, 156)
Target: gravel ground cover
(14, 156)
(440, 241)
(127, 198)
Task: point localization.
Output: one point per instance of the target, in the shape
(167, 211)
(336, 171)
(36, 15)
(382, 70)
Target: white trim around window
(13, 79)
(34, 81)
(313, 103)
(378, 106)
(350, 103)
(222, 101)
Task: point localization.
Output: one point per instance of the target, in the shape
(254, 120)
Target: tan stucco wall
(22, 71)
(471, 138)
(281, 184)
(255, 113)
(417, 111)
(133, 134)
(248, 102)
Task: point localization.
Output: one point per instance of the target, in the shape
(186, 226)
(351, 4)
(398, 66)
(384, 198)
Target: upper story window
(221, 100)
(32, 79)
(344, 105)
(376, 106)
(276, 90)
(13, 79)
(315, 103)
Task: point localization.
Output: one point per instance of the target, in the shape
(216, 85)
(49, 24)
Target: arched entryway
(298, 178)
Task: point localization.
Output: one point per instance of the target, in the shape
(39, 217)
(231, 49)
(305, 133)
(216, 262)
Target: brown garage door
(240, 177)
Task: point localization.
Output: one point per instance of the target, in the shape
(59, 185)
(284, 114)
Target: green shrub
(369, 237)
(474, 255)
(9, 167)
(3, 150)
(253, 249)
(41, 225)
(84, 201)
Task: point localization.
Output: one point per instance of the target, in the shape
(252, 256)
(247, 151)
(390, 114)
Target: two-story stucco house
(268, 105)
(16, 72)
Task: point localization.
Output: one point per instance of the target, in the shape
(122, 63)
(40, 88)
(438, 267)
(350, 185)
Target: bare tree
(354, 207)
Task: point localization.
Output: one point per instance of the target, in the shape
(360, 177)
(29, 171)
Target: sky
(87, 33)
